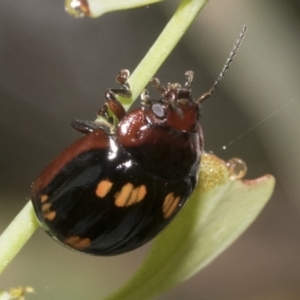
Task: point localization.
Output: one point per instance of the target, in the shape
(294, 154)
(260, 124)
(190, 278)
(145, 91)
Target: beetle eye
(158, 110)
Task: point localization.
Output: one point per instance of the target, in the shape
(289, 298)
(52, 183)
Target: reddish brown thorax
(165, 128)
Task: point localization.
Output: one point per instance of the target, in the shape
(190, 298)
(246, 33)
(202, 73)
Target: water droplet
(77, 8)
(237, 168)
(224, 147)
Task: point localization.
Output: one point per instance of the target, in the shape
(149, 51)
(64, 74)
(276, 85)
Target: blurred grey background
(54, 68)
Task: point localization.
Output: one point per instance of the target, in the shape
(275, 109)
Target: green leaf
(219, 210)
(96, 8)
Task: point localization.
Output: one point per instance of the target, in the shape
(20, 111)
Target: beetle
(117, 187)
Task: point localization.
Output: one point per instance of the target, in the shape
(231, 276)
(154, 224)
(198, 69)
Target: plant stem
(17, 234)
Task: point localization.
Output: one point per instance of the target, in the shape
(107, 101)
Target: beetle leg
(103, 112)
(189, 76)
(123, 76)
(125, 93)
(90, 126)
(156, 83)
(145, 98)
(114, 104)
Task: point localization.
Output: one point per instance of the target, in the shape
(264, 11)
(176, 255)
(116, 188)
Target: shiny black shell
(109, 193)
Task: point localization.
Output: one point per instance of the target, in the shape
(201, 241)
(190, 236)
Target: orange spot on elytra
(103, 188)
(142, 192)
(47, 213)
(77, 242)
(130, 195)
(170, 204)
(44, 198)
(123, 196)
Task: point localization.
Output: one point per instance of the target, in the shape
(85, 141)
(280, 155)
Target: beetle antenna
(225, 68)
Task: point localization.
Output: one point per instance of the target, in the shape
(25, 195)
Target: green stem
(17, 234)
(25, 224)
